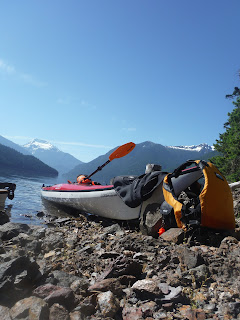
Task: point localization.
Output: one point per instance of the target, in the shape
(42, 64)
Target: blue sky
(91, 75)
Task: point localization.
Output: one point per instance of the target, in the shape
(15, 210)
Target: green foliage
(228, 143)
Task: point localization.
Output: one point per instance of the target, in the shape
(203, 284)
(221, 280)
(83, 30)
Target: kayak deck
(76, 187)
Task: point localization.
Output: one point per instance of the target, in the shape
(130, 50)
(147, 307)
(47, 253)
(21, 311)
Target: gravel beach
(83, 267)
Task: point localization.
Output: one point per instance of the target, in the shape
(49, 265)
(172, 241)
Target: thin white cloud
(66, 143)
(69, 100)
(129, 129)
(63, 101)
(6, 68)
(87, 104)
(81, 144)
(27, 78)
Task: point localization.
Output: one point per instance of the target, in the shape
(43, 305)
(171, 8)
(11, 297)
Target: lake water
(27, 202)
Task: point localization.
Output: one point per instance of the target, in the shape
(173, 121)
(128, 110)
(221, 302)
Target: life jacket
(208, 204)
(81, 179)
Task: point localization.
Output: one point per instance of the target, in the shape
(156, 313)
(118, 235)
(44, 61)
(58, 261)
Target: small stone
(58, 312)
(63, 296)
(147, 288)
(76, 315)
(32, 307)
(175, 235)
(45, 290)
(88, 306)
(5, 313)
(132, 313)
(108, 304)
(189, 258)
(49, 254)
(210, 307)
(110, 284)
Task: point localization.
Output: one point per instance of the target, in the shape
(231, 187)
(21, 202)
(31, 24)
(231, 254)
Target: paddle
(118, 153)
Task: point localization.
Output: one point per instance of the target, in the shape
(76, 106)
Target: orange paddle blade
(122, 151)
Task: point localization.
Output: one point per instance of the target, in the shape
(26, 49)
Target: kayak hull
(98, 200)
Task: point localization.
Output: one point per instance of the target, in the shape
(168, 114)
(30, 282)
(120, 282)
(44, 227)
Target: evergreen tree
(228, 143)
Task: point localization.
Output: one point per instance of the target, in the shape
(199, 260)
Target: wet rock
(31, 308)
(108, 304)
(17, 276)
(10, 230)
(58, 312)
(4, 218)
(174, 235)
(40, 214)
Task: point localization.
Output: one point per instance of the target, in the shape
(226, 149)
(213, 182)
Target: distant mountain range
(135, 162)
(169, 157)
(52, 156)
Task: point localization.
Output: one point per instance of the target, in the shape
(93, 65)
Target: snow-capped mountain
(203, 148)
(36, 144)
(51, 155)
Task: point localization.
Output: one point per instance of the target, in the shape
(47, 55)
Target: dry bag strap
(183, 166)
(199, 163)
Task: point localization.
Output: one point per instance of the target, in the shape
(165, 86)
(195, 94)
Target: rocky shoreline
(86, 268)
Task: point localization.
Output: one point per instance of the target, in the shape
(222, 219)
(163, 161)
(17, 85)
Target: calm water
(27, 200)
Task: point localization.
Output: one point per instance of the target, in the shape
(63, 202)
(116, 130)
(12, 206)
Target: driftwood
(234, 185)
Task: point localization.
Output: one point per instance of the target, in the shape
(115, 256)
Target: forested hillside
(228, 144)
(14, 162)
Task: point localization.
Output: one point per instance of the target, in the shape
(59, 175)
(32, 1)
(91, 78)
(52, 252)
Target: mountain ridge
(169, 157)
(135, 162)
(51, 155)
(8, 143)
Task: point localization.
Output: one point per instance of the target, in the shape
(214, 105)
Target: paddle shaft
(98, 169)
(118, 153)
